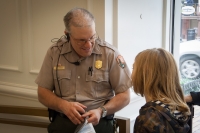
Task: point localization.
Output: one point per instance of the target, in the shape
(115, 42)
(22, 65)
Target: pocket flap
(63, 74)
(98, 77)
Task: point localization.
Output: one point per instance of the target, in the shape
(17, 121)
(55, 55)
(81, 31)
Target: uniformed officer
(83, 76)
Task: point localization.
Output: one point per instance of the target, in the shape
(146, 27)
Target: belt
(63, 115)
(108, 117)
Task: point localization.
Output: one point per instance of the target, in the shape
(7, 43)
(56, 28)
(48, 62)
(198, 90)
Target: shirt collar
(67, 48)
(96, 49)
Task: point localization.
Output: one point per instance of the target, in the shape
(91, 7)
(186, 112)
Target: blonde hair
(156, 75)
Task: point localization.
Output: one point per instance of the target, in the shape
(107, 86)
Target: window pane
(189, 60)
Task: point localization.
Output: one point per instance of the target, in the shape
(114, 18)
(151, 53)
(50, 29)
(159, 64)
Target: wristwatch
(104, 111)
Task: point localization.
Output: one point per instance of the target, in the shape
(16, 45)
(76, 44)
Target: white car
(190, 59)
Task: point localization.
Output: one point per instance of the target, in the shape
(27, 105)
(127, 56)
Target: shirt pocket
(99, 84)
(63, 77)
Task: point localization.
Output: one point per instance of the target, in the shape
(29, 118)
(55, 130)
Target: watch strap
(104, 111)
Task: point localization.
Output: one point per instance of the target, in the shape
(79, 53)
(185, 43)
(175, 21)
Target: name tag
(59, 68)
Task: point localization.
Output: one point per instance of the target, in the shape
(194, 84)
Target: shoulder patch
(120, 61)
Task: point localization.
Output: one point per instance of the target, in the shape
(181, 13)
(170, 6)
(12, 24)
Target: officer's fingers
(86, 114)
(74, 108)
(78, 116)
(93, 119)
(80, 109)
(81, 106)
(74, 116)
(75, 120)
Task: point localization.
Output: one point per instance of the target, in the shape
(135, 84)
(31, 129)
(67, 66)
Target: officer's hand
(73, 111)
(93, 116)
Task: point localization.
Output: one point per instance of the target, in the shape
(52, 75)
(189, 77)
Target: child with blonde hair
(155, 76)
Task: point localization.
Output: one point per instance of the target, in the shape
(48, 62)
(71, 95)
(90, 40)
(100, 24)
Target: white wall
(140, 27)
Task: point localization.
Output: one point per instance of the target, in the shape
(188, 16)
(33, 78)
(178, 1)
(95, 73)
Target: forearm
(49, 99)
(118, 102)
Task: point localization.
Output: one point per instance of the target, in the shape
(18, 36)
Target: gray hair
(78, 17)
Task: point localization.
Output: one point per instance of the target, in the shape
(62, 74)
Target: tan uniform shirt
(78, 82)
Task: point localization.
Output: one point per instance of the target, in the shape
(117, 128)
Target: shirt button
(79, 77)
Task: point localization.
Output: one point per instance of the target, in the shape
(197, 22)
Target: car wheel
(190, 67)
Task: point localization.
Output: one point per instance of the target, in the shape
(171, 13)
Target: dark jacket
(154, 118)
(195, 98)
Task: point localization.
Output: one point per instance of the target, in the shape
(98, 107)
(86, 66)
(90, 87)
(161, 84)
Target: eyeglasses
(84, 41)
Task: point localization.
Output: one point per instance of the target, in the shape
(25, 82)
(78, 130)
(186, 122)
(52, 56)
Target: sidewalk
(196, 120)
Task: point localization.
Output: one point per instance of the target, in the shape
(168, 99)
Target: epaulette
(59, 43)
(106, 44)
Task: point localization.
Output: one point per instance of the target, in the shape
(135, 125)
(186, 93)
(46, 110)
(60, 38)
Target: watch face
(104, 112)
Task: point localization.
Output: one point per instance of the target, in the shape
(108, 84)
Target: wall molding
(18, 42)
(16, 90)
(34, 71)
(10, 68)
(30, 37)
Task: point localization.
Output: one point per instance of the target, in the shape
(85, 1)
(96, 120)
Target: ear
(67, 35)
(65, 32)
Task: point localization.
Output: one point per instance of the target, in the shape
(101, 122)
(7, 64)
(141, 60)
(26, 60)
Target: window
(189, 60)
